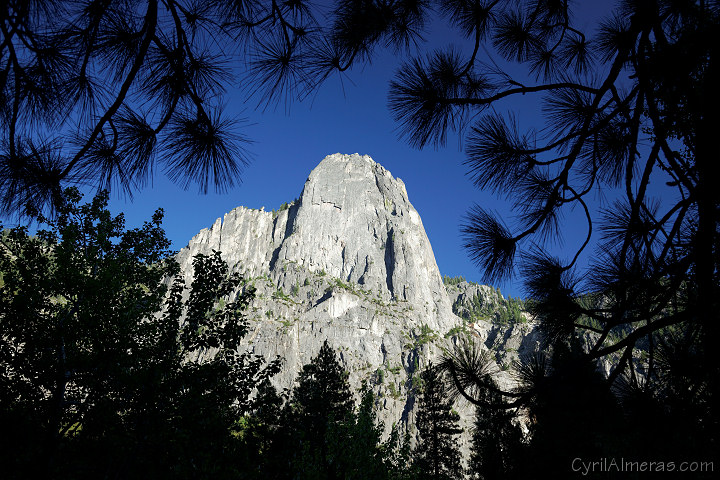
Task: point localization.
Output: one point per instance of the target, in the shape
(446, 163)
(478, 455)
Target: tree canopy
(320, 404)
(629, 111)
(436, 454)
(318, 434)
(99, 346)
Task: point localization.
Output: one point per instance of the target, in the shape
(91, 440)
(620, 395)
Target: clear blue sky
(287, 146)
(347, 117)
(350, 116)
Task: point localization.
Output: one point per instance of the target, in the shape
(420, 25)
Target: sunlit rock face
(349, 261)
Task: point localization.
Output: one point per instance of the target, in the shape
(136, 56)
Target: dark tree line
(99, 340)
(113, 367)
(320, 435)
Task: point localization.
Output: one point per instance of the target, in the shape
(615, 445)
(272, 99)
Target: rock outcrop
(349, 261)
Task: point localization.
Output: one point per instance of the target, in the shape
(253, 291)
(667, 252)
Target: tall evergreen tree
(366, 457)
(262, 436)
(573, 411)
(398, 455)
(496, 440)
(436, 455)
(321, 402)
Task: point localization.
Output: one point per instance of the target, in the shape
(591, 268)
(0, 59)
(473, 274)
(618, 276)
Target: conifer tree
(263, 435)
(366, 458)
(320, 402)
(496, 441)
(397, 455)
(436, 455)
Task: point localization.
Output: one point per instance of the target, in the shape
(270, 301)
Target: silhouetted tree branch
(618, 118)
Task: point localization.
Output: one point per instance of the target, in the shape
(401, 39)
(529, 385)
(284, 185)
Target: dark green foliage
(574, 414)
(318, 434)
(511, 311)
(489, 459)
(321, 403)
(496, 440)
(453, 280)
(263, 436)
(322, 393)
(398, 455)
(436, 455)
(97, 374)
(572, 411)
(425, 335)
(455, 331)
(355, 445)
(569, 409)
(503, 312)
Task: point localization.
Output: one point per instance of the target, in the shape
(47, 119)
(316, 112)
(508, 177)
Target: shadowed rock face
(349, 261)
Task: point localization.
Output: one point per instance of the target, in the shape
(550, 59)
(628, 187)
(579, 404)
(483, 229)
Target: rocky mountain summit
(349, 261)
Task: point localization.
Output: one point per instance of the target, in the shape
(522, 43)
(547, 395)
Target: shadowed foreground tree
(317, 413)
(99, 371)
(497, 440)
(630, 112)
(436, 455)
(618, 120)
(397, 455)
(320, 403)
(263, 436)
(367, 456)
(571, 412)
(318, 434)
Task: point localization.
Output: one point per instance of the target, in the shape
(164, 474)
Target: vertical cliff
(349, 261)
